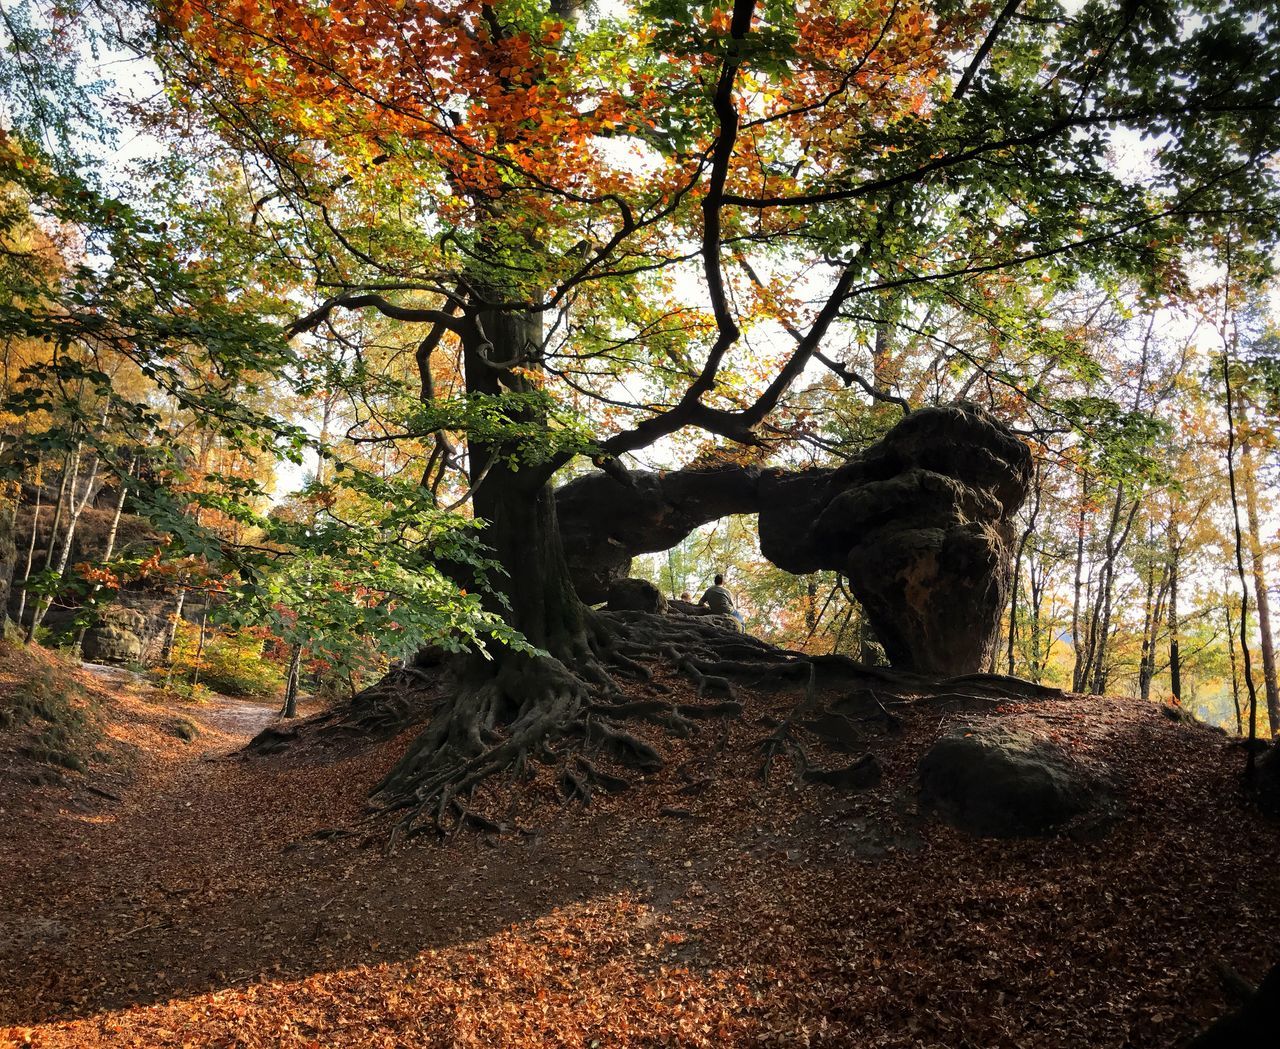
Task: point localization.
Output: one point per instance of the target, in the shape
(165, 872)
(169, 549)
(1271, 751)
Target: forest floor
(176, 893)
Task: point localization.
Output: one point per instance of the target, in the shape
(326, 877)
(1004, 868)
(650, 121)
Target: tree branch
(1002, 19)
(412, 314)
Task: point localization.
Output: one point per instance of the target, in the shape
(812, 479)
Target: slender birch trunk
(1018, 555)
(31, 546)
(170, 642)
(1076, 682)
(290, 708)
(70, 475)
(77, 509)
(111, 544)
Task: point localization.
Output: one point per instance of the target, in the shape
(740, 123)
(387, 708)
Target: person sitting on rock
(720, 601)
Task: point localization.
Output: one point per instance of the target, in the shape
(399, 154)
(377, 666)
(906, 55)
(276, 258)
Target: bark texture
(921, 524)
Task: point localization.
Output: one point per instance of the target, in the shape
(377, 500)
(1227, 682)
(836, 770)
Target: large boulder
(635, 595)
(995, 781)
(157, 611)
(117, 637)
(133, 534)
(922, 526)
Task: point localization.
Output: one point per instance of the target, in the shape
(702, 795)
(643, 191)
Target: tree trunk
(111, 547)
(1235, 666)
(1115, 546)
(1091, 671)
(70, 471)
(76, 507)
(70, 467)
(9, 548)
(1156, 612)
(195, 662)
(1015, 580)
(1036, 580)
(1016, 577)
(1146, 658)
(517, 502)
(31, 546)
(1251, 758)
(880, 360)
(1077, 674)
(1249, 477)
(505, 704)
(1175, 652)
(166, 653)
(171, 639)
(290, 708)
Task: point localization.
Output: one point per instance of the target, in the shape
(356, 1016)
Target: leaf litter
(212, 904)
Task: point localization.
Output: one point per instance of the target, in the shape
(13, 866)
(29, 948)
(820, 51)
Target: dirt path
(204, 879)
(238, 719)
(200, 909)
(241, 719)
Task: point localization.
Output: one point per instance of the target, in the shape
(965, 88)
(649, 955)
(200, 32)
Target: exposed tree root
(500, 718)
(708, 654)
(505, 718)
(783, 739)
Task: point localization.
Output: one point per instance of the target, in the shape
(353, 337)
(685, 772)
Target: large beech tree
(615, 227)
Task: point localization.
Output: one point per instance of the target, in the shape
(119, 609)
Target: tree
(529, 193)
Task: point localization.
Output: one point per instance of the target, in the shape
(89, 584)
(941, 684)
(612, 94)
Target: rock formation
(921, 524)
(993, 781)
(604, 523)
(636, 595)
(117, 636)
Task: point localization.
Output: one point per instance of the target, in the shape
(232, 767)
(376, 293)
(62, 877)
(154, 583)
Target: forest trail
(200, 908)
(240, 719)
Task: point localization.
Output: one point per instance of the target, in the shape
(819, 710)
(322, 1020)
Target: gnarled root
(508, 716)
(487, 724)
(709, 655)
(504, 716)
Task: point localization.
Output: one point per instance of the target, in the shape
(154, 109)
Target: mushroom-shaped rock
(921, 523)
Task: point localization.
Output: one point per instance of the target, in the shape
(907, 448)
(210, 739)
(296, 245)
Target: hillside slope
(214, 905)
